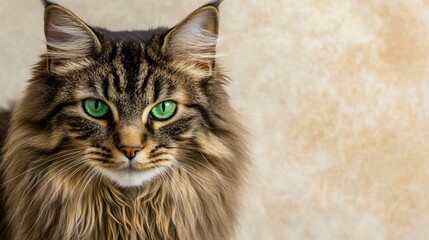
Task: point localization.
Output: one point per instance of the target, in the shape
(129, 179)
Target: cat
(123, 135)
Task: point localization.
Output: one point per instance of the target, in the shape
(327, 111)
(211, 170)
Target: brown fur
(54, 158)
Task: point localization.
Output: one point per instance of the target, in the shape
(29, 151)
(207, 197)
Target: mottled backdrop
(335, 94)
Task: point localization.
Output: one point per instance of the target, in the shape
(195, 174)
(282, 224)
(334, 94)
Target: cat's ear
(192, 43)
(68, 38)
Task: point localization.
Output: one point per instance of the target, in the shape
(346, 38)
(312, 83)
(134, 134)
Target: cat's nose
(130, 152)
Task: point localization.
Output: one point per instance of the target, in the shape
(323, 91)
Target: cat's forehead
(128, 73)
(128, 48)
(137, 36)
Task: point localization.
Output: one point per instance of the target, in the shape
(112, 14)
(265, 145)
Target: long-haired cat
(123, 135)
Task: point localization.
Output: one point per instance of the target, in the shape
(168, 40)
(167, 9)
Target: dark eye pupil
(97, 105)
(163, 106)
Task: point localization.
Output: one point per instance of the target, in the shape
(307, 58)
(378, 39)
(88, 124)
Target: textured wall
(334, 92)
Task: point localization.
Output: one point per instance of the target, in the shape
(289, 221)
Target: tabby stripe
(131, 62)
(157, 148)
(106, 87)
(75, 121)
(157, 160)
(156, 154)
(60, 146)
(117, 81)
(54, 112)
(149, 58)
(113, 53)
(156, 89)
(178, 138)
(170, 89)
(115, 62)
(204, 113)
(85, 136)
(146, 79)
(101, 154)
(78, 126)
(144, 137)
(81, 129)
(149, 127)
(178, 127)
(106, 149)
(143, 71)
(103, 160)
(92, 85)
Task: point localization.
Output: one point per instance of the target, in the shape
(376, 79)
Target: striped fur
(56, 159)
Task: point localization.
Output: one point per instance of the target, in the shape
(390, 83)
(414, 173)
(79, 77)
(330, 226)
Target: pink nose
(130, 152)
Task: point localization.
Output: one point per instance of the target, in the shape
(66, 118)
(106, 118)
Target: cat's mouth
(130, 169)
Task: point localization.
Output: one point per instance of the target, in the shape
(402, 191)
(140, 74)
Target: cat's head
(133, 102)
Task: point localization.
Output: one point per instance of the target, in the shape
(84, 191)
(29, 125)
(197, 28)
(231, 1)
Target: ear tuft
(66, 35)
(215, 3)
(192, 43)
(46, 2)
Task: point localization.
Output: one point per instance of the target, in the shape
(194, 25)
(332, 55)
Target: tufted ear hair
(67, 37)
(192, 43)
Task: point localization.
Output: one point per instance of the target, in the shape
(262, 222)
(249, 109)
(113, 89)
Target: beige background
(334, 92)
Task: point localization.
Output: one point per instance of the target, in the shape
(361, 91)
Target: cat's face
(134, 103)
(131, 125)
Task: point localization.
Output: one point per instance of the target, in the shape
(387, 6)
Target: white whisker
(206, 166)
(73, 164)
(164, 178)
(70, 153)
(54, 194)
(63, 162)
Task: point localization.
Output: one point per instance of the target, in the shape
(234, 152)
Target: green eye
(96, 108)
(163, 110)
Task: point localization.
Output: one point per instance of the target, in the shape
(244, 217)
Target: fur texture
(63, 174)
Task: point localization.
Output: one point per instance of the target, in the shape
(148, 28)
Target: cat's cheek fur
(213, 145)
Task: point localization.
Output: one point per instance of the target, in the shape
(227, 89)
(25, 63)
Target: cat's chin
(130, 177)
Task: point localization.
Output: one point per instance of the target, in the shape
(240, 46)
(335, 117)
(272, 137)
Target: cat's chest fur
(98, 211)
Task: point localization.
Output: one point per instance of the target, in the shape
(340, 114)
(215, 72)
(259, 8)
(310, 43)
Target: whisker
(190, 189)
(73, 164)
(192, 170)
(164, 178)
(177, 186)
(70, 153)
(189, 173)
(205, 166)
(72, 191)
(92, 174)
(63, 162)
(55, 193)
